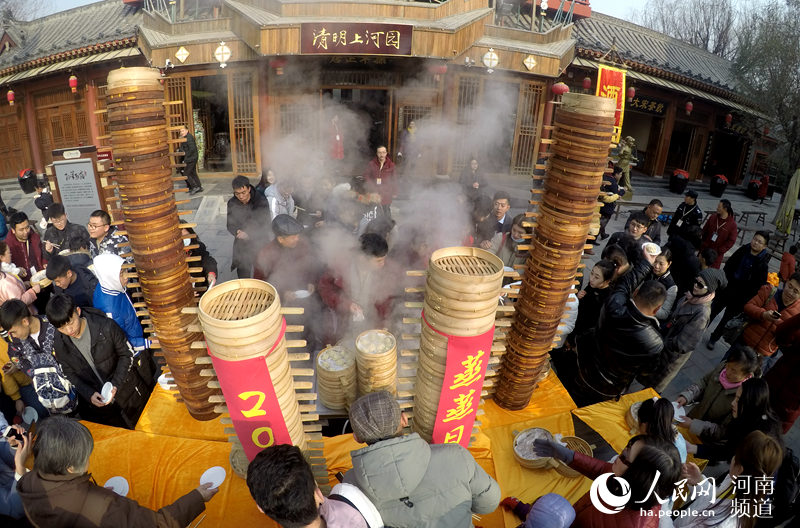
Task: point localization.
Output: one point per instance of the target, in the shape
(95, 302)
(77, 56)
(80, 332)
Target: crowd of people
(337, 250)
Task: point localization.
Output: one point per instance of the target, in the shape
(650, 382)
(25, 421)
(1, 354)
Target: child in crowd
(715, 392)
(788, 263)
(6, 266)
(42, 200)
(661, 271)
(655, 418)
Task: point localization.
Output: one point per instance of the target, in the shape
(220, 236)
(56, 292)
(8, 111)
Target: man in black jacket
(653, 210)
(687, 214)
(73, 279)
(189, 149)
(627, 341)
(249, 222)
(747, 271)
(60, 231)
(92, 350)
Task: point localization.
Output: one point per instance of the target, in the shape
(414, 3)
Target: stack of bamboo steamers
(583, 131)
(461, 293)
(138, 129)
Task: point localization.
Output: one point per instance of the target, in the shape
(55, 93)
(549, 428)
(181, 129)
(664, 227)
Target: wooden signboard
(355, 38)
(76, 182)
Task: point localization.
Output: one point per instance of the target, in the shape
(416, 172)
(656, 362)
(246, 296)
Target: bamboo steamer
(376, 360)
(137, 77)
(337, 384)
(523, 444)
(576, 444)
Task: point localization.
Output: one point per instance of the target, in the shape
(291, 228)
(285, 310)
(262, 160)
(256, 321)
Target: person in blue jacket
(110, 298)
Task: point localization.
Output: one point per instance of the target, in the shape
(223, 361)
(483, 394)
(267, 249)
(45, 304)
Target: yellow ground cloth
(161, 469)
(549, 398)
(164, 415)
(530, 484)
(608, 417)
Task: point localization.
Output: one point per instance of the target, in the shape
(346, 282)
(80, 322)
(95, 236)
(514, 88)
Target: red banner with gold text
(611, 84)
(252, 403)
(467, 359)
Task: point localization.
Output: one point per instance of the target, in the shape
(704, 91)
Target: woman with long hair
(751, 411)
(649, 464)
(757, 458)
(655, 418)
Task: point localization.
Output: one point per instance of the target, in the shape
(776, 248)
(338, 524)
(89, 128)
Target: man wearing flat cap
(412, 483)
(687, 214)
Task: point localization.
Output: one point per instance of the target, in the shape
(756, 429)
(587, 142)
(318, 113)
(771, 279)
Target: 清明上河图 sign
(351, 38)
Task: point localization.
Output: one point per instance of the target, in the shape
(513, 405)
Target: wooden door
(15, 153)
(178, 91)
(530, 109)
(466, 108)
(61, 121)
(243, 106)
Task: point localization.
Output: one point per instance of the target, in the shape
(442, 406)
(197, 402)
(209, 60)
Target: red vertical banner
(467, 359)
(252, 403)
(611, 84)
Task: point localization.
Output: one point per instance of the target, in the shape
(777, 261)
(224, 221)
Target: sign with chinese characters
(77, 186)
(648, 105)
(467, 359)
(252, 403)
(611, 84)
(329, 38)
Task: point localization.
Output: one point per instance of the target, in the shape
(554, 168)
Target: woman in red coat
(645, 460)
(720, 231)
(784, 376)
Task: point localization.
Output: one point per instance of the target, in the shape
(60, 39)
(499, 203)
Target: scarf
(703, 299)
(728, 385)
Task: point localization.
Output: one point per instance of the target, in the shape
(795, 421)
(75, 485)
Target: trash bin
(718, 185)
(27, 180)
(678, 181)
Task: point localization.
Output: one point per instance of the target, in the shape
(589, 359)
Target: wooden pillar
(91, 106)
(33, 131)
(663, 144)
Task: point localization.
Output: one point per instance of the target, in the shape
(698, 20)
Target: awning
(70, 63)
(677, 87)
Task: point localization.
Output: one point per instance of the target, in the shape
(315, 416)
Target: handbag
(735, 327)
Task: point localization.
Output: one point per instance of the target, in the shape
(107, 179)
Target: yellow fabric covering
(164, 415)
(608, 417)
(161, 469)
(165, 456)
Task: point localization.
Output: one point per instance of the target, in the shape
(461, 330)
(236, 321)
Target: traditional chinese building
(686, 112)
(248, 72)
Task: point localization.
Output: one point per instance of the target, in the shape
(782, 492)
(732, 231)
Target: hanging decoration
(689, 107)
(10, 97)
(587, 83)
(73, 83)
(611, 84)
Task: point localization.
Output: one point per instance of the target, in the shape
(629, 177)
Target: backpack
(54, 390)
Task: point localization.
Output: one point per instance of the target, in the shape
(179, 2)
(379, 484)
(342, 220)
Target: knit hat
(550, 511)
(714, 279)
(375, 416)
(284, 225)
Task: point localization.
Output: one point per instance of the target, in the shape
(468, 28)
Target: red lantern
(559, 88)
(766, 131)
(587, 83)
(689, 107)
(631, 93)
(10, 97)
(728, 119)
(73, 83)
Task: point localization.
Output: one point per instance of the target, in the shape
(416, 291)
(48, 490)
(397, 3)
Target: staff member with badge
(688, 213)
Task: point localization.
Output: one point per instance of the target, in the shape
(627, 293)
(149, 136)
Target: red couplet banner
(252, 403)
(467, 359)
(611, 84)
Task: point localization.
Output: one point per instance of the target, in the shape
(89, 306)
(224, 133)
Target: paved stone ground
(210, 212)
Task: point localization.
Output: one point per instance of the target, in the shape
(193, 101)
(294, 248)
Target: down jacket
(760, 334)
(628, 342)
(713, 407)
(414, 484)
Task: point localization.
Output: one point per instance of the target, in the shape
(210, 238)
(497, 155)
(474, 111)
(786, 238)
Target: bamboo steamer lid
(466, 265)
(523, 444)
(137, 76)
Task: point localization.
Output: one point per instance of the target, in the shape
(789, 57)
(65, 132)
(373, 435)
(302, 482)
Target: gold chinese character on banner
(454, 436)
(472, 371)
(321, 38)
(610, 90)
(375, 37)
(464, 407)
(393, 39)
(357, 39)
